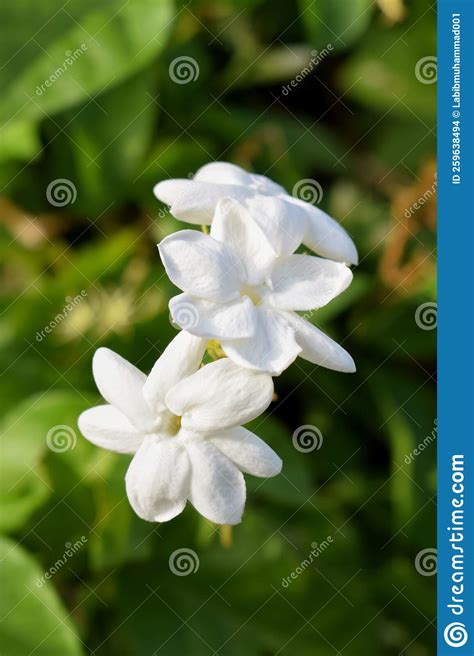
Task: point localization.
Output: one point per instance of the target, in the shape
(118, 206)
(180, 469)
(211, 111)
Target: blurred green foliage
(113, 123)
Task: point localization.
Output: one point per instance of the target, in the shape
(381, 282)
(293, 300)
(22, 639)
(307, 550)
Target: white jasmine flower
(243, 288)
(195, 201)
(183, 425)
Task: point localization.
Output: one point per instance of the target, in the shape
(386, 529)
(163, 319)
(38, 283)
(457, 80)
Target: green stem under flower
(225, 534)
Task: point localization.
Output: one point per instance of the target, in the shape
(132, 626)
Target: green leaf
(34, 620)
(335, 21)
(69, 53)
(103, 145)
(394, 72)
(19, 141)
(19, 502)
(43, 423)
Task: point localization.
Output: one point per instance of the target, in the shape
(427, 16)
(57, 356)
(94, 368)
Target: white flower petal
(180, 358)
(214, 320)
(107, 427)
(201, 266)
(234, 226)
(157, 480)
(319, 348)
(195, 202)
(324, 235)
(251, 454)
(121, 384)
(264, 185)
(220, 395)
(272, 349)
(217, 488)
(283, 224)
(305, 282)
(223, 173)
(168, 191)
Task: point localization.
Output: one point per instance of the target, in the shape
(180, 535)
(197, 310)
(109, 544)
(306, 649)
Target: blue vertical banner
(455, 327)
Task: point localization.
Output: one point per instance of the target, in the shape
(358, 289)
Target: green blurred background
(113, 123)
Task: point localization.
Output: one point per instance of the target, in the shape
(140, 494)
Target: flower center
(171, 425)
(175, 425)
(255, 293)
